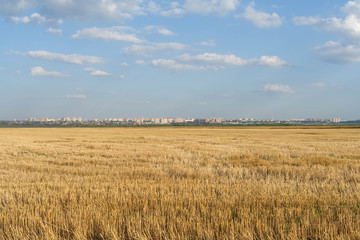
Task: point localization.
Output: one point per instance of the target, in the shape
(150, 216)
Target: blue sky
(192, 58)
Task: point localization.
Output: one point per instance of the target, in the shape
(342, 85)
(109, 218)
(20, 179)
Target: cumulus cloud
(113, 33)
(349, 26)
(113, 10)
(277, 88)
(339, 52)
(76, 96)
(40, 72)
(54, 31)
(146, 50)
(36, 18)
(9, 7)
(313, 20)
(352, 7)
(219, 7)
(160, 30)
(176, 66)
(90, 10)
(214, 62)
(261, 19)
(173, 11)
(232, 60)
(116, 10)
(95, 72)
(213, 58)
(343, 51)
(165, 32)
(72, 58)
(153, 8)
(270, 61)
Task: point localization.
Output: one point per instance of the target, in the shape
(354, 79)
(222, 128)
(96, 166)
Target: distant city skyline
(188, 58)
(68, 121)
(168, 119)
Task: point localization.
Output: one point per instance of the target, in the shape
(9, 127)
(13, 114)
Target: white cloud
(36, 18)
(232, 60)
(160, 30)
(213, 62)
(279, 88)
(40, 72)
(176, 66)
(307, 20)
(76, 96)
(219, 7)
(165, 32)
(343, 51)
(95, 72)
(9, 7)
(2, 68)
(261, 19)
(209, 43)
(54, 31)
(146, 50)
(153, 8)
(174, 11)
(213, 58)
(270, 61)
(349, 27)
(113, 33)
(122, 77)
(339, 52)
(72, 58)
(113, 10)
(352, 7)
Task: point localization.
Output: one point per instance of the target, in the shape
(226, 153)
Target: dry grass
(180, 183)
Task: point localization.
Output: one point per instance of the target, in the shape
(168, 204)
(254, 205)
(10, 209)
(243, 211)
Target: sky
(191, 58)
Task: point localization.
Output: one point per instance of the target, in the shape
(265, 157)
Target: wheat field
(180, 183)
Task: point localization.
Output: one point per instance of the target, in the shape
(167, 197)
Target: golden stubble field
(180, 183)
